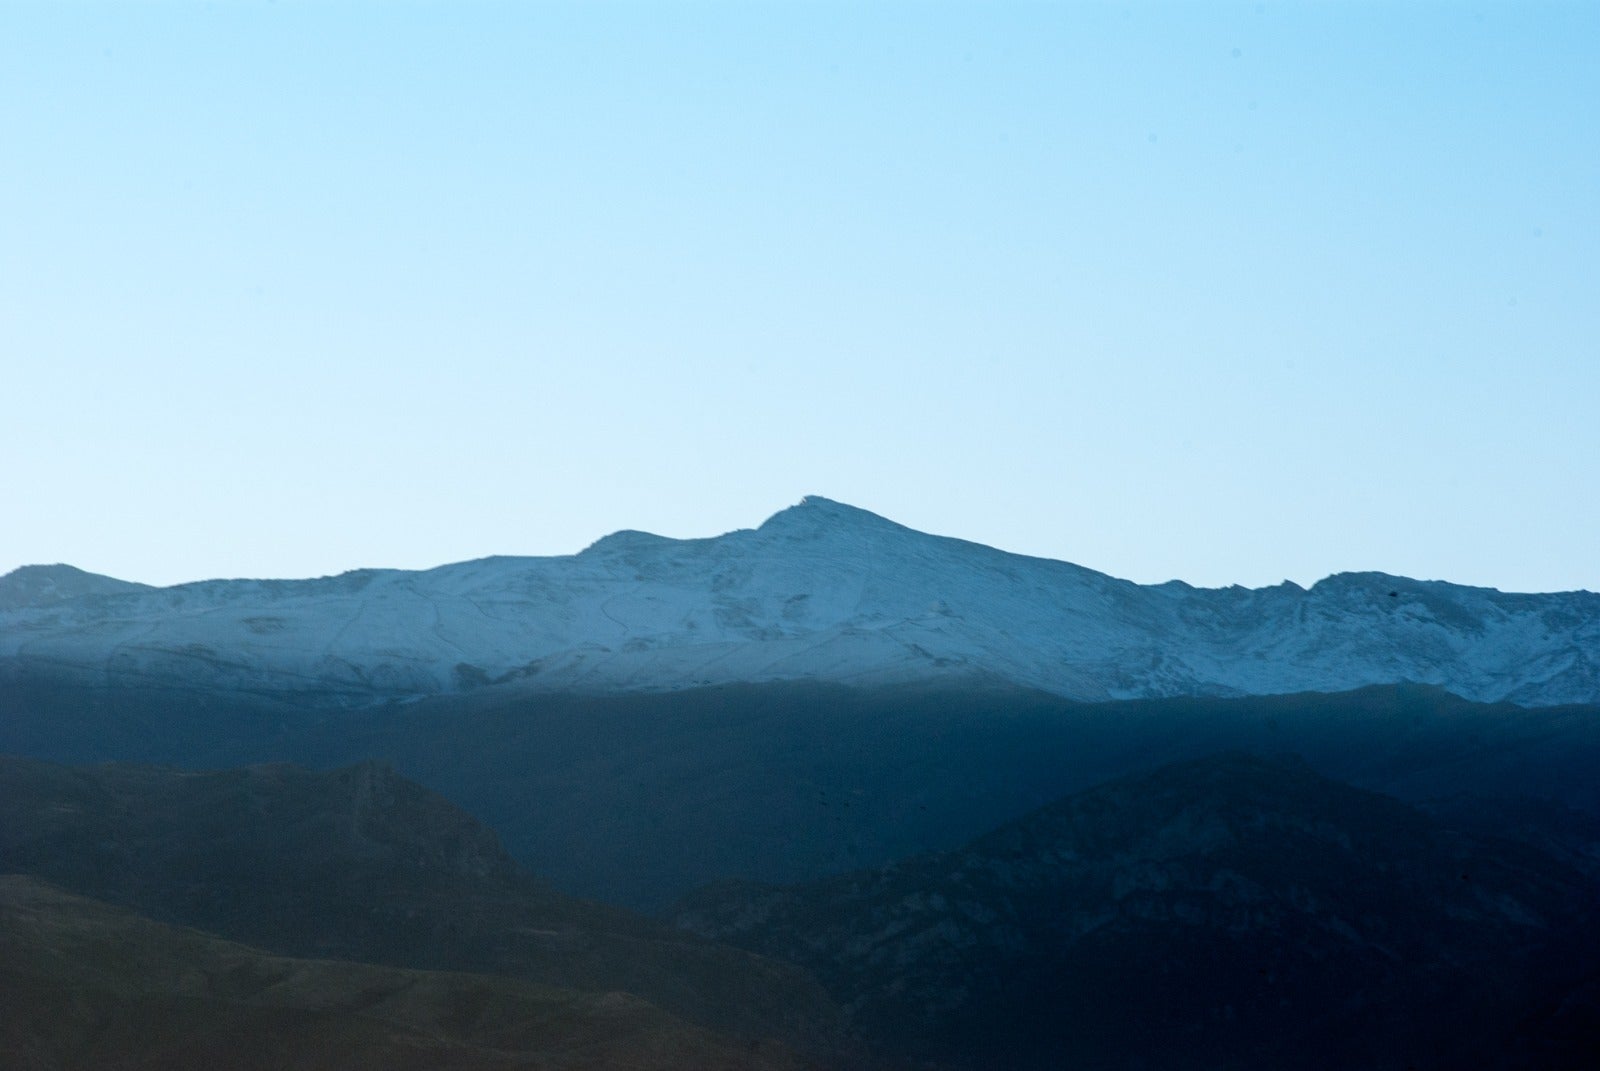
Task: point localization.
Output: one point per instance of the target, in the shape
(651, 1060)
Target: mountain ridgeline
(822, 591)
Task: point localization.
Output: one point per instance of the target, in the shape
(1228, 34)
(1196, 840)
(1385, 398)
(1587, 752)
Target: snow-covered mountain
(820, 591)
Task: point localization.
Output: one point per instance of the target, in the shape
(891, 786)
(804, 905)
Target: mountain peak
(40, 585)
(38, 573)
(626, 541)
(814, 515)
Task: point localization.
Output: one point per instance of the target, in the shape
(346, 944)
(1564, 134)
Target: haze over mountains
(822, 591)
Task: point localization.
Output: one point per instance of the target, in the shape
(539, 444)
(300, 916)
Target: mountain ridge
(821, 590)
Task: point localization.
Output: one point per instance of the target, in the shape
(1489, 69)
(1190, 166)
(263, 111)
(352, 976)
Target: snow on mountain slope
(821, 590)
(41, 585)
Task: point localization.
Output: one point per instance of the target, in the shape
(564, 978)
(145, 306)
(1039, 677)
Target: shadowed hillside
(360, 864)
(637, 799)
(1229, 912)
(88, 987)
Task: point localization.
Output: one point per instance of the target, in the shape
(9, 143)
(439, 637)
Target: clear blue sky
(1228, 293)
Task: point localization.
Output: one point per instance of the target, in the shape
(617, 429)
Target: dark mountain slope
(360, 864)
(637, 799)
(1228, 912)
(87, 986)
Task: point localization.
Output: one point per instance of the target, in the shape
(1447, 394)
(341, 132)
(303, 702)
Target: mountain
(821, 591)
(45, 585)
(360, 864)
(635, 798)
(1229, 912)
(88, 986)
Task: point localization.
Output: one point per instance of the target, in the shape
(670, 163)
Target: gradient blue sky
(1228, 293)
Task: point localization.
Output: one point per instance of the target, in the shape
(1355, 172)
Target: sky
(1222, 293)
